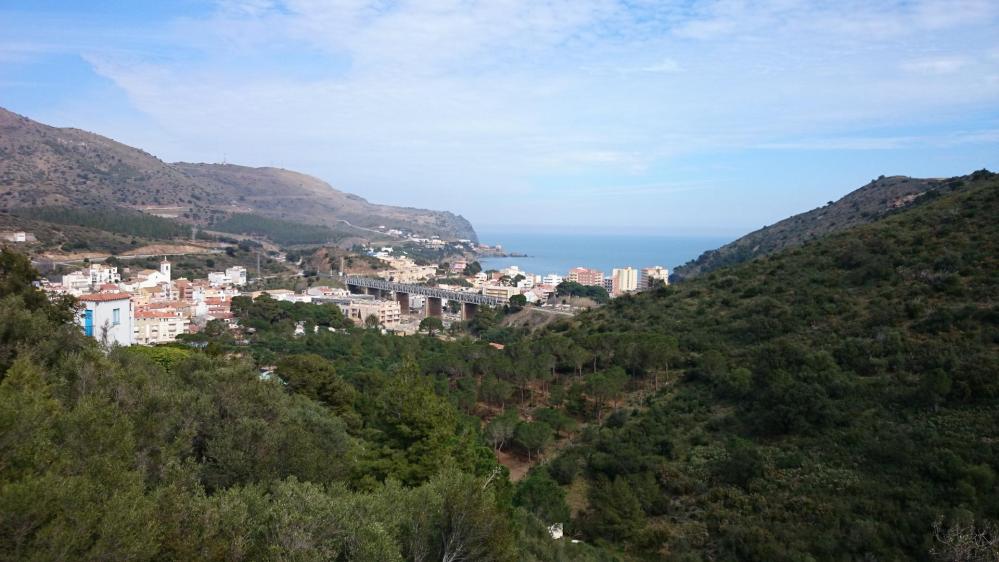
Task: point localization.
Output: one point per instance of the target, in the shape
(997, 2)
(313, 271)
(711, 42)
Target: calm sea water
(558, 253)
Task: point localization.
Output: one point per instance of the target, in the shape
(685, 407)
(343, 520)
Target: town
(123, 306)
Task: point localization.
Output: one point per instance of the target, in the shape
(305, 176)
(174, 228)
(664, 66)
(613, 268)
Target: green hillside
(830, 402)
(836, 401)
(872, 202)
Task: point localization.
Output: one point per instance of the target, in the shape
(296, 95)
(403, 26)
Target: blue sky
(677, 117)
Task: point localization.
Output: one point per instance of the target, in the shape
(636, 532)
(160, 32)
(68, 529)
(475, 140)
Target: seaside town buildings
(149, 306)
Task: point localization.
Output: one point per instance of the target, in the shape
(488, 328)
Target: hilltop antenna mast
(258, 264)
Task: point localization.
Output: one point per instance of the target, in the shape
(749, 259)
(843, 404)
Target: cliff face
(865, 205)
(44, 166)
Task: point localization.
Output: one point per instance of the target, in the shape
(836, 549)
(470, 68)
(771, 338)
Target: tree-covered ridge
(110, 219)
(870, 203)
(833, 401)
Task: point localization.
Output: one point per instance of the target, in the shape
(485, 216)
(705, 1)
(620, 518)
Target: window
(116, 316)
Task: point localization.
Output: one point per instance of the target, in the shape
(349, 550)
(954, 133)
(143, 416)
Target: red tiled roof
(154, 314)
(106, 297)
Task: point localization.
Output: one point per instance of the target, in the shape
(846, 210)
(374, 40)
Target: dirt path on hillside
(517, 466)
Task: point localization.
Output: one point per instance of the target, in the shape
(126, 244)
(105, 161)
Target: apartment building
(500, 291)
(158, 326)
(624, 280)
(552, 279)
(649, 275)
(586, 276)
(389, 313)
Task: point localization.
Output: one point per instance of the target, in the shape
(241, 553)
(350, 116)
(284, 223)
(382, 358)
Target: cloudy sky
(639, 115)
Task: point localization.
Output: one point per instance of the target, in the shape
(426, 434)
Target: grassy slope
(837, 398)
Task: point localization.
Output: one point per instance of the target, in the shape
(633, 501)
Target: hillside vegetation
(169, 453)
(863, 206)
(49, 166)
(831, 402)
(283, 233)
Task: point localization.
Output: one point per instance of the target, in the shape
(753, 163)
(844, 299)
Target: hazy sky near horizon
(678, 117)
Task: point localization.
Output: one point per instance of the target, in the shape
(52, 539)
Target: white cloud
(409, 100)
(664, 66)
(936, 65)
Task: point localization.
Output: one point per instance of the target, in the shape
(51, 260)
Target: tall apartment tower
(650, 274)
(624, 280)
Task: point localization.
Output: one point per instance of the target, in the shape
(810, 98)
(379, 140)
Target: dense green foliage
(171, 453)
(573, 289)
(283, 233)
(116, 220)
(833, 401)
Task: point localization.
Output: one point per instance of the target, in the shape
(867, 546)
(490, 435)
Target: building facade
(624, 280)
(153, 326)
(650, 275)
(108, 317)
(389, 313)
(585, 276)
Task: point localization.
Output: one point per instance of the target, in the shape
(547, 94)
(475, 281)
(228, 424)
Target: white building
(76, 282)
(552, 279)
(93, 276)
(650, 274)
(327, 292)
(107, 317)
(152, 327)
(389, 313)
(19, 236)
(236, 275)
(500, 291)
(624, 280)
(152, 278)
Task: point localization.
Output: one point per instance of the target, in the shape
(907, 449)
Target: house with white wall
(108, 317)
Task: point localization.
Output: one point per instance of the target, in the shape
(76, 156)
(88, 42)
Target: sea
(549, 252)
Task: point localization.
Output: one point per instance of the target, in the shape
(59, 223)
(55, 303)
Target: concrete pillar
(434, 306)
(403, 300)
(468, 311)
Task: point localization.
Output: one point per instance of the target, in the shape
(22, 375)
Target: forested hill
(63, 167)
(829, 402)
(865, 205)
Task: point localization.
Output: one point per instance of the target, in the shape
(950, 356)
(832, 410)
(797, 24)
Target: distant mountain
(48, 166)
(865, 205)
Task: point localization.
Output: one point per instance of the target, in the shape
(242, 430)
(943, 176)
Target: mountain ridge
(864, 205)
(41, 165)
